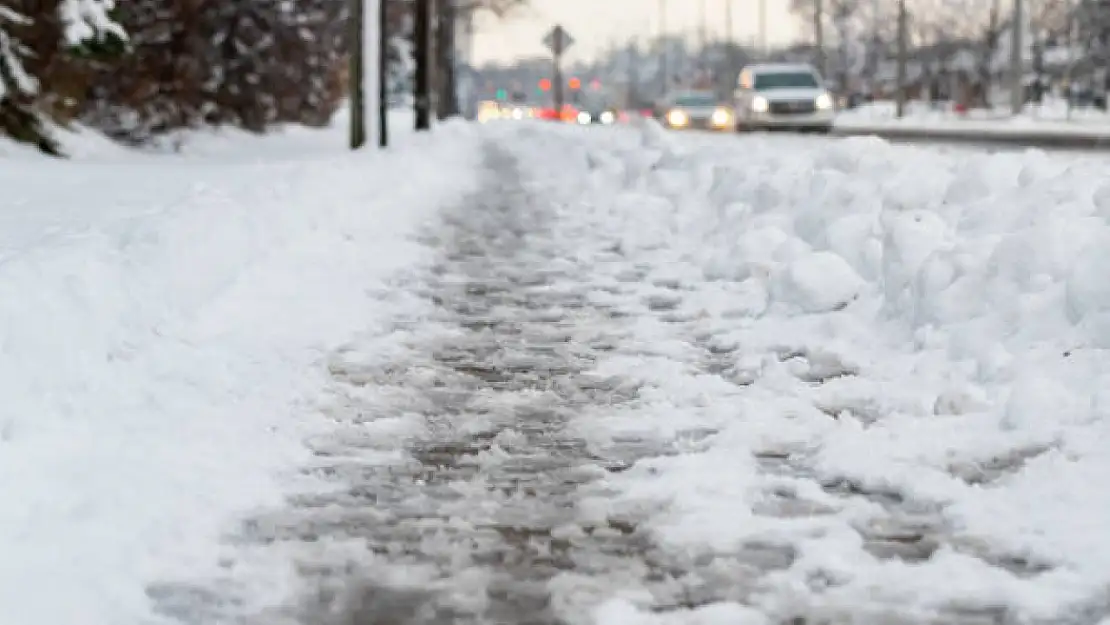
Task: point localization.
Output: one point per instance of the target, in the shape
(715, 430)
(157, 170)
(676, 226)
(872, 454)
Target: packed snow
(861, 383)
(164, 319)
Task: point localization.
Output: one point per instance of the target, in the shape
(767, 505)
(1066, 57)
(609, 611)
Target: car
(696, 109)
(594, 108)
(783, 95)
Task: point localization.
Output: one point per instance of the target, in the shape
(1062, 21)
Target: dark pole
(356, 72)
(557, 72)
(664, 70)
(383, 74)
(819, 37)
(900, 102)
(422, 33)
(446, 55)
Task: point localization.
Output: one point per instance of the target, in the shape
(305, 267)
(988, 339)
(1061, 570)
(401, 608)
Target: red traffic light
(545, 84)
(575, 83)
(595, 84)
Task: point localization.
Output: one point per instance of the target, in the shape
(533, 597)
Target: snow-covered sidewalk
(165, 320)
(622, 377)
(882, 367)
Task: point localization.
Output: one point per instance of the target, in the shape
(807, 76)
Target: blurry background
(255, 64)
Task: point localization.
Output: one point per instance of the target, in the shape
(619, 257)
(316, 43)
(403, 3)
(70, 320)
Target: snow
(1050, 117)
(924, 322)
(827, 343)
(165, 319)
(87, 20)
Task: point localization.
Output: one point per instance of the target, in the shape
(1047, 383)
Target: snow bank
(902, 320)
(163, 321)
(1052, 116)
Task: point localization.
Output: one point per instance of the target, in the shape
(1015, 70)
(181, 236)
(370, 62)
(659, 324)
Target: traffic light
(545, 84)
(595, 84)
(501, 94)
(575, 83)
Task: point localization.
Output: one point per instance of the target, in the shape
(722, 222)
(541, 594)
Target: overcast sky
(595, 24)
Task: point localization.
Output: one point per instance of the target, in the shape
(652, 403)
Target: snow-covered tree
(33, 34)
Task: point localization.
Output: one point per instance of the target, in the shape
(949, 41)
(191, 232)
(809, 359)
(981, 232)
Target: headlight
(518, 114)
(760, 104)
(677, 117)
(824, 102)
(607, 117)
(584, 118)
(721, 117)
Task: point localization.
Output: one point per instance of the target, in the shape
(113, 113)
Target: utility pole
(900, 95)
(356, 74)
(819, 36)
(447, 104)
(1017, 83)
(422, 34)
(383, 73)
(664, 70)
(468, 57)
(703, 35)
(730, 46)
(763, 28)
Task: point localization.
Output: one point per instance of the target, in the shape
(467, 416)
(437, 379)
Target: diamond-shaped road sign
(558, 40)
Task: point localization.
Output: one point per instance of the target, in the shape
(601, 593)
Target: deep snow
(923, 330)
(164, 323)
(848, 351)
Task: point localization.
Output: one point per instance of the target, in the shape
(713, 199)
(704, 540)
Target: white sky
(595, 24)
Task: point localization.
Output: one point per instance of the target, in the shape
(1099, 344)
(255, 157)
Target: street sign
(558, 40)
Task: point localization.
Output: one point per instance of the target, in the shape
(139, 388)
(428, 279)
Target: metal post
(703, 35)
(422, 27)
(356, 74)
(819, 37)
(383, 73)
(664, 70)
(557, 76)
(1073, 37)
(763, 28)
(730, 46)
(1017, 87)
(900, 95)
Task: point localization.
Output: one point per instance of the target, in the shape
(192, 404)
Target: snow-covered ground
(910, 358)
(1052, 117)
(164, 319)
(620, 377)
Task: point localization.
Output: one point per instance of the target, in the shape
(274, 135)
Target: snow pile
(908, 333)
(163, 323)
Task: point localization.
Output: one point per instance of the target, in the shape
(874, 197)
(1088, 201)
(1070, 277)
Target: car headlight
(677, 117)
(607, 117)
(518, 114)
(721, 116)
(584, 117)
(824, 102)
(760, 104)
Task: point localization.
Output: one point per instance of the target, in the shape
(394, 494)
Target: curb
(1024, 137)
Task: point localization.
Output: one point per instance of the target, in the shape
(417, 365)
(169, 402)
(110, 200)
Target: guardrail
(1019, 136)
